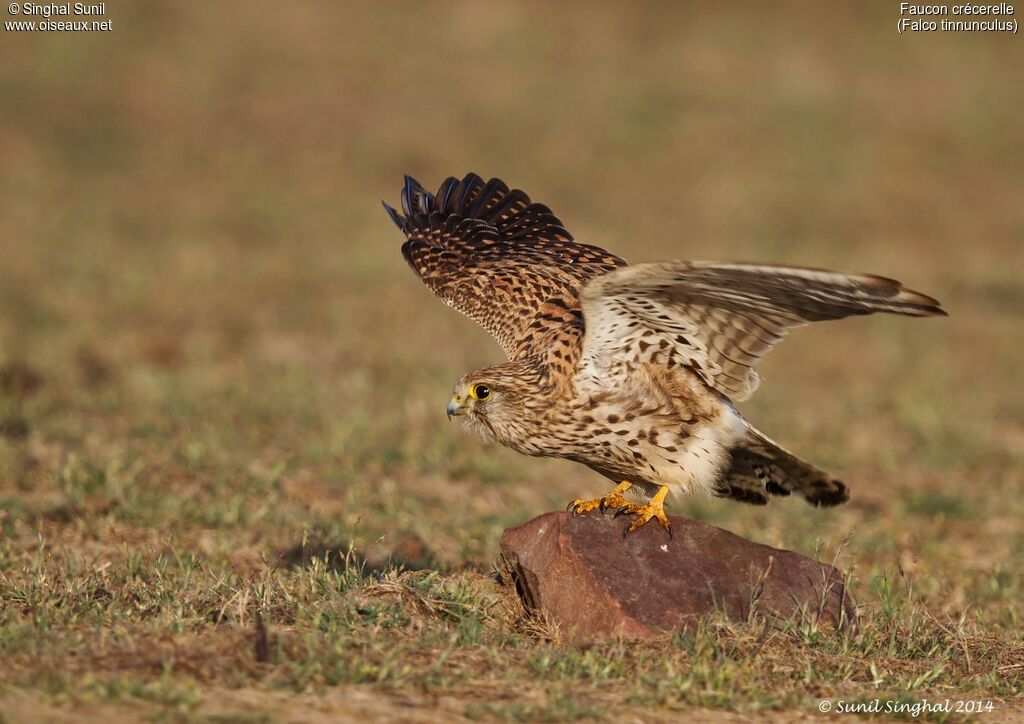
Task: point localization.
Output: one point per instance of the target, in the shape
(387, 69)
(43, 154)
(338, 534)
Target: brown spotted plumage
(630, 370)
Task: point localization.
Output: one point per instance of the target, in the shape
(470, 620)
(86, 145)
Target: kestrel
(631, 370)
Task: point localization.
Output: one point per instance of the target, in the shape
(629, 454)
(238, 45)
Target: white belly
(702, 459)
(691, 462)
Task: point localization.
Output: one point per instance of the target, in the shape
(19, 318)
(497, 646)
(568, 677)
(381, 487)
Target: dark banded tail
(761, 468)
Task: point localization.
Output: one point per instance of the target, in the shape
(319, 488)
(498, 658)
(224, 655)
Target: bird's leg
(644, 513)
(612, 500)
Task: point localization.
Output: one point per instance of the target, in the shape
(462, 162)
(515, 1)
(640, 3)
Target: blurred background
(207, 331)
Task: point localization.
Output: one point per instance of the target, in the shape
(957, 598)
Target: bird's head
(497, 402)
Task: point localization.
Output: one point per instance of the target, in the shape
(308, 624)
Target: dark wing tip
(505, 213)
(921, 304)
(468, 197)
(397, 218)
(410, 188)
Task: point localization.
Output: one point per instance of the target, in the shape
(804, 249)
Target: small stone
(587, 577)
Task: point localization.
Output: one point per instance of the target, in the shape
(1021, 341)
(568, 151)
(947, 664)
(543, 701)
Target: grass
(227, 488)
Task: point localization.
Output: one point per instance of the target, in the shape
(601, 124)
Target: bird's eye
(480, 392)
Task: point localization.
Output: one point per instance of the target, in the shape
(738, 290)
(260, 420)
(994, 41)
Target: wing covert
(494, 255)
(720, 318)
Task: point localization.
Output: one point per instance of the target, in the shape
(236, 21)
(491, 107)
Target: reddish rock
(581, 571)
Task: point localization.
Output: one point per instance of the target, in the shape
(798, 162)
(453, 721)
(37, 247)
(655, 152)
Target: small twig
(262, 643)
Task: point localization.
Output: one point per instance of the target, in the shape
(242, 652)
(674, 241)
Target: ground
(228, 490)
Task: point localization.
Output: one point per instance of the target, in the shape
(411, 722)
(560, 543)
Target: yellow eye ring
(479, 391)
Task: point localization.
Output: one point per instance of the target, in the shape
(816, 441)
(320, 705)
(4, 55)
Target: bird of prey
(632, 370)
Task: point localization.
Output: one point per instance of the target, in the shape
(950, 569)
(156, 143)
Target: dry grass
(221, 392)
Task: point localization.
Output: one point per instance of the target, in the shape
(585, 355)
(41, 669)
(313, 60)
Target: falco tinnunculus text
(630, 370)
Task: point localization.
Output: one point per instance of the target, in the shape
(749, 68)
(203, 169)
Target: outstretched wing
(720, 318)
(506, 262)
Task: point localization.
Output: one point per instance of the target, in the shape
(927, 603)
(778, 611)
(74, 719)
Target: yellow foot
(612, 500)
(644, 513)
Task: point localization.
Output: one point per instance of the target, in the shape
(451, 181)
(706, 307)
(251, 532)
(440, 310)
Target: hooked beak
(454, 408)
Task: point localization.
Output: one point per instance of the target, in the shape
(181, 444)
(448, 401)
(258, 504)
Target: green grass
(228, 491)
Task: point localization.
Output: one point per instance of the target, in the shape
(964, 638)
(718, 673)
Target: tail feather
(761, 468)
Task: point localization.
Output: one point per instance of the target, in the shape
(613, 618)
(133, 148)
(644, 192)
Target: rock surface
(590, 580)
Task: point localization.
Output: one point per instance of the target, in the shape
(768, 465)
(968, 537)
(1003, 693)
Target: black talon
(620, 511)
